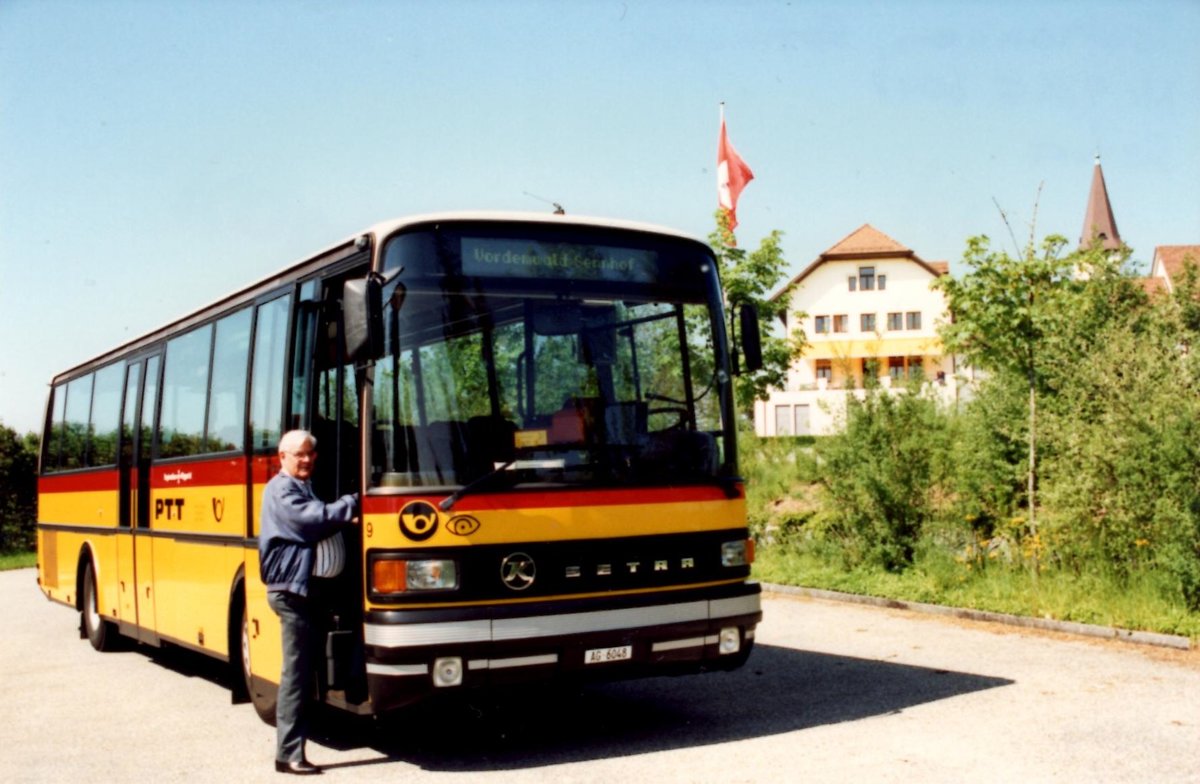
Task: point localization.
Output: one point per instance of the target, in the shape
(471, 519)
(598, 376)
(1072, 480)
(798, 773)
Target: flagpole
(720, 135)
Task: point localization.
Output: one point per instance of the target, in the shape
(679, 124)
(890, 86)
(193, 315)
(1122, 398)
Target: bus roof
(388, 227)
(377, 232)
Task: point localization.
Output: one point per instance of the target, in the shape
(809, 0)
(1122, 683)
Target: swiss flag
(732, 176)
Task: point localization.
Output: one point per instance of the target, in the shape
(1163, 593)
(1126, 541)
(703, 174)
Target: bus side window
(185, 393)
(267, 379)
(75, 422)
(225, 429)
(106, 415)
(52, 444)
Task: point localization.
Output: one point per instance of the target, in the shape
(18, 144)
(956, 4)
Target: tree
(18, 490)
(1003, 312)
(748, 278)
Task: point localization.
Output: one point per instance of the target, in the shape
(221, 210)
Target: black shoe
(301, 768)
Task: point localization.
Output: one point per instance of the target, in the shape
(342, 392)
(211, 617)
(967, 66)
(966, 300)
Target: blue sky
(157, 155)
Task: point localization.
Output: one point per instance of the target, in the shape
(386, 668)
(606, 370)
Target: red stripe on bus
(81, 482)
(562, 498)
(199, 473)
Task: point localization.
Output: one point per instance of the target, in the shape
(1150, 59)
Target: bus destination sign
(506, 258)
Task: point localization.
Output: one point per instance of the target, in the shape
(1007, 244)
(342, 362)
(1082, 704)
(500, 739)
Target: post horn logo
(418, 521)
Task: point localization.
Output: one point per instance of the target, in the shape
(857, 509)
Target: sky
(157, 155)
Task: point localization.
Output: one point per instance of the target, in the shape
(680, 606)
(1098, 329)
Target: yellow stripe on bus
(85, 507)
(556, 524)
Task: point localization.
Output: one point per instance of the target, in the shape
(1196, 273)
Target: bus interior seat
(575, 422)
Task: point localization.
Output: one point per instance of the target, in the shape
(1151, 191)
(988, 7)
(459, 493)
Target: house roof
(866, 242)
(1173, 257)
(1098, 221)
(866, 239)
(1167, 267)
(1153, 286)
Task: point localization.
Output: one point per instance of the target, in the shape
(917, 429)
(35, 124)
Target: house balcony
(819, 409)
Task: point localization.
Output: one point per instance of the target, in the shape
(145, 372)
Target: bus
(537, 411)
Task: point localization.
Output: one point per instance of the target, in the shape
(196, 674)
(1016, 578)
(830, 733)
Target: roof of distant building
(1168, 265)
(1153, 286)
(866, 242)
(1173, 257)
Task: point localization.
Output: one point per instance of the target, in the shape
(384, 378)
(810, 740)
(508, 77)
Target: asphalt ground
(834, 692)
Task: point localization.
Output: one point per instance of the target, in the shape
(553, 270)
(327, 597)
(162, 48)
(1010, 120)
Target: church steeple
(1098, 223)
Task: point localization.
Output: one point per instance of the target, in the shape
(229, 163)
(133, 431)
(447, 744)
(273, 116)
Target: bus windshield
(517, 358)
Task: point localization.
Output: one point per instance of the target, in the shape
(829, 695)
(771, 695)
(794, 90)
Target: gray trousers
(295, 681)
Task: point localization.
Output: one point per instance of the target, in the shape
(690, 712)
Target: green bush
(881, 476)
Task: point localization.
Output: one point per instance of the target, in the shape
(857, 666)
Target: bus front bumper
(411, 654)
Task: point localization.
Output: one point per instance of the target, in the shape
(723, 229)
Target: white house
(868, 310)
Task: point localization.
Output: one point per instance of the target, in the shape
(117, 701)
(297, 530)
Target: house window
(914, 319)
(839, 323)
(866, 278)
(825, 369)
(867, 322)
(916, 367)
(882, 279)
(896, 368)
(821, 325)
(895, 321)
(853, 281)
(803, 427)
(783, 420)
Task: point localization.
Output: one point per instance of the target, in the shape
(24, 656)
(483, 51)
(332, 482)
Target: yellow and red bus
(537, 410)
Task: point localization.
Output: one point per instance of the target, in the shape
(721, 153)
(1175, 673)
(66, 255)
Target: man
(293, 521)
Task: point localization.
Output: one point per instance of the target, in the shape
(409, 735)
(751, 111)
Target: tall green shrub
(880, 475)
(988, 467)
(1123, 488)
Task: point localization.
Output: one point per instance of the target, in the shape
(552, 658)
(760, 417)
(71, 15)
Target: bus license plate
(601, 655)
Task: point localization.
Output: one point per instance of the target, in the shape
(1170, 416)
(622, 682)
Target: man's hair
(294, 439)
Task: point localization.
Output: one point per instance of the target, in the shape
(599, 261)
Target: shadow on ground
(780, 690)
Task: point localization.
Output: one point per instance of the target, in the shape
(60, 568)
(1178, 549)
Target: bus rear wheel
(100, 633)
(264, 704)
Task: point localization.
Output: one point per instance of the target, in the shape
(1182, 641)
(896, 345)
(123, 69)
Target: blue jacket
(293, 521)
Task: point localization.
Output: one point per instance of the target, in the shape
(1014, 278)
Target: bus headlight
(398, 575)
(738, 553)
(448, 671)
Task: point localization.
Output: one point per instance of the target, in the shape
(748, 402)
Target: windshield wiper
(449, 501)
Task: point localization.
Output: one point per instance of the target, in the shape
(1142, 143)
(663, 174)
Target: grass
(17, 561)
(1089, 598)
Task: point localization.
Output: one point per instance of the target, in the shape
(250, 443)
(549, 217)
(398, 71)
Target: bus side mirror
(362, 314)
(751, 339)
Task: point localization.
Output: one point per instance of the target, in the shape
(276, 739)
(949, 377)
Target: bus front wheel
(264, 704)
(100, 633)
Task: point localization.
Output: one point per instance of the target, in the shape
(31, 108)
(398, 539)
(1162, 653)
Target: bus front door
(135, 567)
